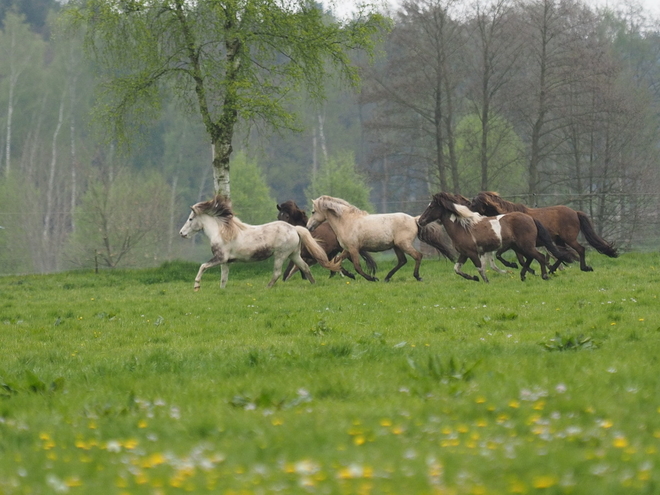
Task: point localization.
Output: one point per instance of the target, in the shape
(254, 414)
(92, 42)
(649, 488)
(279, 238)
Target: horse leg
(459, 264)
(355, 258)
(401, 260)
(205, 266)
(476, 260)
(491, 262)
(277, 269)
(303, 266)
(533, 254)
(224, 275)
(579, 249)
(290, 270)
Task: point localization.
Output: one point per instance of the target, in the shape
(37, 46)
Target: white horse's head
(318, 215)
(193, 224)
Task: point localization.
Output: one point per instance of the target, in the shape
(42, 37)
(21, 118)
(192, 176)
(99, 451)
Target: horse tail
(601, 245)
(370, 261)
(316, 250)
(543, 238)
(433, 235)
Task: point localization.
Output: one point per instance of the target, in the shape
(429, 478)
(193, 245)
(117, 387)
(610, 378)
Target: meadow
(128, 382)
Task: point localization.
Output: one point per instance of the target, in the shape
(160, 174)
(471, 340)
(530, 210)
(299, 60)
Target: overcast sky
(344, 7)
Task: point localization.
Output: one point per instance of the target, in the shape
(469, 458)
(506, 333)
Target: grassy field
(128, 382)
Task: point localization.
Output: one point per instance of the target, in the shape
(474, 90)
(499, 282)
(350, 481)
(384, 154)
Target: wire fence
(632, 221)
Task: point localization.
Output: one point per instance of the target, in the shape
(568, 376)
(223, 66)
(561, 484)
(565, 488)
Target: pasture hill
(129, 382)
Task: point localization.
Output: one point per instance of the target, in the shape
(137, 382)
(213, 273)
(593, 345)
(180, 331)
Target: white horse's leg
(202, 269)
(304, 267)
(224, 275)
(491, 262)
(277, 269)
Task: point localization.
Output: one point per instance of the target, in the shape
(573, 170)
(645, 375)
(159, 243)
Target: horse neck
(218, 231)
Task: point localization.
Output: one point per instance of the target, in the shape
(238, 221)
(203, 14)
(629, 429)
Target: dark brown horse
(474, 235)
(563, 223)
(290, 212)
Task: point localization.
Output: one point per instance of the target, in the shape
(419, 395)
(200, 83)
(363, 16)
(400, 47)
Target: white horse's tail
(316, 250)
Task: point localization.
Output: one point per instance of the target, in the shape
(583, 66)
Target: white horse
(357, 229)
(232, 240)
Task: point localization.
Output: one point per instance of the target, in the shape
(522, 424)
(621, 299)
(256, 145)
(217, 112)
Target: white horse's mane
(465, 216)
(338, 205)
(220, 209)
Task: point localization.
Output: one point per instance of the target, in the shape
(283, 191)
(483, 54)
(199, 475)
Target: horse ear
(278, 208)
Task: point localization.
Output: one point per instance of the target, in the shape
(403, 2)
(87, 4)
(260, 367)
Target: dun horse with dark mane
(563, 223)
(232, 240)
(358, 230)
(289, 212)
(474, 235)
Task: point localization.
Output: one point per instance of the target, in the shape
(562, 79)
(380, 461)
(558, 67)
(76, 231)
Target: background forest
(546, 101)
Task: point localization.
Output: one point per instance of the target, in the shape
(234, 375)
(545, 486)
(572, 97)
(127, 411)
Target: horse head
(289, 212)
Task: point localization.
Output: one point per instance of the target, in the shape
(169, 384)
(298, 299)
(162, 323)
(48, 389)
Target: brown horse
(474, 235)
(358, 230)
(563, 223)
(289, 212)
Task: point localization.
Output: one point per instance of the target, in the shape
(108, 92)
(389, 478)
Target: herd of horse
(459, 228)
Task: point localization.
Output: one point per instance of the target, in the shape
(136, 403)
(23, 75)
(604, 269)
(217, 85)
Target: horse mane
(458, 206)
(220, 208)
(297, 215)
(491, 203)
(338, 206)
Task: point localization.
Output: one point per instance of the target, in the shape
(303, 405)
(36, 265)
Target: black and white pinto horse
(474, 236)
(232, 240)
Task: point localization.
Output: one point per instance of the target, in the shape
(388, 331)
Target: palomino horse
(563, 223)
(358, 230)
(289, 212)
(232, 240)
(474, 235)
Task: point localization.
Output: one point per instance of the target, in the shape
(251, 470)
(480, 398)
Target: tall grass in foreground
(128, 382)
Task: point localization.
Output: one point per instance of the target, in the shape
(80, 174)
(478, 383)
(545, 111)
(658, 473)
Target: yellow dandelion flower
(44, 436)
(385, 422)
(606, 423)
(613, 323)
(73, 481)
(620, 442)
(514, 404)
(397, 430)
(544, 481)
(641, 319)
(359, 440)
(92, 425)
(644, 475)
(462, 429)
(121, 483)
(130, 444)
(482, 423)
(277, 421)
(539, 405)
(480, 400)
(142, 423)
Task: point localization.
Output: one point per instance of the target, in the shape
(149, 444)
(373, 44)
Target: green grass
(129, 382)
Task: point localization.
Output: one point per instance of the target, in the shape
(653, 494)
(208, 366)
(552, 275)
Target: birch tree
(231, 60)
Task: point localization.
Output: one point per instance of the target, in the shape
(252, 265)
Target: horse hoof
(514, 266)
(196, 289)
(475, 278)
(374, 279)
(387, 279)
(419, 279)
(587, 269)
